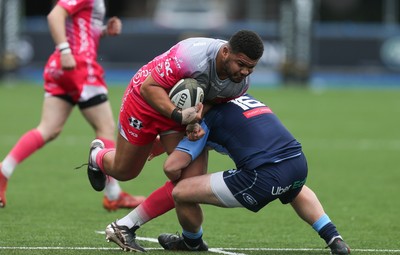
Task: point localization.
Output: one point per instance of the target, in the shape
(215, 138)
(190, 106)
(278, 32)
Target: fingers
(194, 131)
(114, 26)
(193, 127)
(67, 61)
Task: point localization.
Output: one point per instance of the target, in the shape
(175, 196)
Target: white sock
(8, 166)
(93, 156)
(112, 189)
(132, 219)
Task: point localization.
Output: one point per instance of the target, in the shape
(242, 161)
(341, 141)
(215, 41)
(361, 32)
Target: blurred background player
(270, 165)
(72, 77)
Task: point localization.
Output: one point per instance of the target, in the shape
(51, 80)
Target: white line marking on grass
(64, 248)
(305, 249)
(221, 251)
(154, 240)
(228, 251)
(215, 250)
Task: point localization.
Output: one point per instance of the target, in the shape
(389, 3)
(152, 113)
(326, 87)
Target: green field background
(351, 138)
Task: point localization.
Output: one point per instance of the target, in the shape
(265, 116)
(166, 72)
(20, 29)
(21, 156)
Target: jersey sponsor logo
(168, 68)
(249, 199)
(177, 62)
(159, 70)
(299, 184)
(232, 171)
(140, 76)
(276, 191)
(135, 123)
(164, 69)
(133, 133)
(257, 111)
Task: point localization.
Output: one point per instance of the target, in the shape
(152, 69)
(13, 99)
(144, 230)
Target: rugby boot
(176, 243)
(96, 177)
(123, 237)
(124, 200)
(338, 246)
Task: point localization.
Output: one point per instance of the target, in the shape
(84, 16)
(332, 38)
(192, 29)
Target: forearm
(56, 22)
(157, 97)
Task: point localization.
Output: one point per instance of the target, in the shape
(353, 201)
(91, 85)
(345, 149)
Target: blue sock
(192, 239)
(325, 228)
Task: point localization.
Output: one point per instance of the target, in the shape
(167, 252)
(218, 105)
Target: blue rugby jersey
(248, 131)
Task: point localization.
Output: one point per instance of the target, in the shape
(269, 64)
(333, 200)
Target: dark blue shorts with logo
(255, 188)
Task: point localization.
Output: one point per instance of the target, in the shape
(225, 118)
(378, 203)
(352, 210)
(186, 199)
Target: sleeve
(194, 148)
(73, 6)
(168, 69)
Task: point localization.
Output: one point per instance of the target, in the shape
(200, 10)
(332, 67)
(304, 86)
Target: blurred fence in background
(305, 41)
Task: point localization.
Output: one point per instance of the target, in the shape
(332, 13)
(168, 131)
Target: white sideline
(226, 251)
(215, 250)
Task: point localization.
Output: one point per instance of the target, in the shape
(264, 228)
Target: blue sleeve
(194, 148)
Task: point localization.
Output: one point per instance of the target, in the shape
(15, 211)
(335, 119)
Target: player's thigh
(195, 190)
(170, 140)
(101, 119)
(55, 112)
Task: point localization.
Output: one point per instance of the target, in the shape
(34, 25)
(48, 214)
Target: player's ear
(225, 51)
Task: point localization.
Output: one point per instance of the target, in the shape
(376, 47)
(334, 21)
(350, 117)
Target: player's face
(238, 66)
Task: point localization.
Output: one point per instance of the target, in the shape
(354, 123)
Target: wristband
(62, 46)
(176, 115)
(65, 51)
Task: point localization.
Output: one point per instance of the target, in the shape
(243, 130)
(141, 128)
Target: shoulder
(73, 6)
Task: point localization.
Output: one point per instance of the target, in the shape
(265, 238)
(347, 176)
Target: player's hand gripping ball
(187, 93)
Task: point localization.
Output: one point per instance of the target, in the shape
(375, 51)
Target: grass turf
(350, 137)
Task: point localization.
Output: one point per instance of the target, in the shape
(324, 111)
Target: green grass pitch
(351, 139)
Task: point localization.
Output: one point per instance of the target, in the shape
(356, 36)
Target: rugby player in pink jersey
(72, 77)
(147, 111)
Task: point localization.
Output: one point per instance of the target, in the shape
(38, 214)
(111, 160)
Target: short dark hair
(248, 43)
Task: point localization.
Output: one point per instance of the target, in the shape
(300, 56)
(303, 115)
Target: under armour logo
(135, 123)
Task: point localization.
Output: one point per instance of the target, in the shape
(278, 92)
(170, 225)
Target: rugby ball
(186, 93)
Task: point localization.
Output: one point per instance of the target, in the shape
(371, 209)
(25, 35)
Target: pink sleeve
(169, 69)
(73, 6)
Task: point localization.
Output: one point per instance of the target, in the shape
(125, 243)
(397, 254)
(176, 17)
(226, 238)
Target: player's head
(240, 56)
(248, 43)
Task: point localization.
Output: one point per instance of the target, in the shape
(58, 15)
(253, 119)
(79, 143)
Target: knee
(49, 135)
(176, 193)
(172, 169)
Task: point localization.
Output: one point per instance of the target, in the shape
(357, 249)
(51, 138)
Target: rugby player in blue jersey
(270, 165)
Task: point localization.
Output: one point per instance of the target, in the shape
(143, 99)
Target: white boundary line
(226, 251)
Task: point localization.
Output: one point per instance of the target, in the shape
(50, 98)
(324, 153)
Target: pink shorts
(81, 84)
(139, 123)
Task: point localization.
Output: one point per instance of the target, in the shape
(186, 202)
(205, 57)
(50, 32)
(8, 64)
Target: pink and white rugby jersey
(84, 26)
(194, 58)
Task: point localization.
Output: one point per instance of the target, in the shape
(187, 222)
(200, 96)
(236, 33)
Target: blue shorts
(254, 189)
